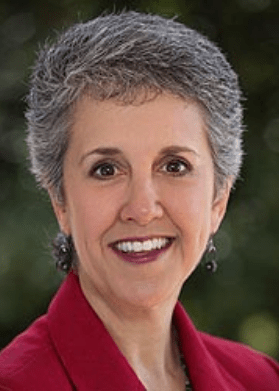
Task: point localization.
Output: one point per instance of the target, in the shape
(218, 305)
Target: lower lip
(143, 257)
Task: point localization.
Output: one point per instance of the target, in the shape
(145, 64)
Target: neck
(143, 334)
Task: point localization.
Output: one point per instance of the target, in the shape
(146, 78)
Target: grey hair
(124, 56)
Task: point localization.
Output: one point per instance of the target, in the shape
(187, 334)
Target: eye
(177, 167)
(104, 170)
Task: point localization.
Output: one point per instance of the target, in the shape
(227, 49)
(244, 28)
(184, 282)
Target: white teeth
(147, 245)
(137, 247)
(129, 246)
(126, 247)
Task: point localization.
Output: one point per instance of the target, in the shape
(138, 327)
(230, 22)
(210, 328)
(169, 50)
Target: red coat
(69, 349)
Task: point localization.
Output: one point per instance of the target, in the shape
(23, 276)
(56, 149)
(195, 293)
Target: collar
(203, 369)
(92, 359)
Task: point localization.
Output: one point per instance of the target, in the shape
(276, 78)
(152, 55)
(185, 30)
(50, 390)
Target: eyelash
(174, 160)
(100, 165)
(187, 166)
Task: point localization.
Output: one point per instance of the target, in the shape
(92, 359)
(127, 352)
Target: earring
(63, 252)
(211, 252)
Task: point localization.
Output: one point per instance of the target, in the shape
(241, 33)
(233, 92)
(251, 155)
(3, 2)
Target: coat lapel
(90, 356)
(203, 369)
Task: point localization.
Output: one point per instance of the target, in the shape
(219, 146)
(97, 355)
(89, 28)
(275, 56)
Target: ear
(219, 206)
(61, 213)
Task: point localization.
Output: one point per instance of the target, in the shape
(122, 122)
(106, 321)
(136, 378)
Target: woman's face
(137, 173)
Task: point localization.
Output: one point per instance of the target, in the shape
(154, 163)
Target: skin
(143, 191)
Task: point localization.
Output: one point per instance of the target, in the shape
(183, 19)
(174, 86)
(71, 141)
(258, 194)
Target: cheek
(190, 200)
(190, 210)
(92, 213)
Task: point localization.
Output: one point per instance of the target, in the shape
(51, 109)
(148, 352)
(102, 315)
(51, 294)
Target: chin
(148, 295)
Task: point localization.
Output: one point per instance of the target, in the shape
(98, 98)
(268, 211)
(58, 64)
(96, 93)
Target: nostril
(141, 215)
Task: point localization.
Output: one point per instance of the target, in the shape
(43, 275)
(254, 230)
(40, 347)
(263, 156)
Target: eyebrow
(102, 151)
(173, 149)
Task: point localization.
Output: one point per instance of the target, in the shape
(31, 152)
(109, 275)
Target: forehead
(162, 120)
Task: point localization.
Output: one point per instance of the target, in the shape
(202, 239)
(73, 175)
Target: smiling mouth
(141, 250)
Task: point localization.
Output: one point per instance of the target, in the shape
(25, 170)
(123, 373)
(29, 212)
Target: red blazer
(69, 349)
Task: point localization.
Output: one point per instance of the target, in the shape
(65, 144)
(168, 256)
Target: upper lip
(141, 239)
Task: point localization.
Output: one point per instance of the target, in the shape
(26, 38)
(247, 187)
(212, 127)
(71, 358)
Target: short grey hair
(121, 56)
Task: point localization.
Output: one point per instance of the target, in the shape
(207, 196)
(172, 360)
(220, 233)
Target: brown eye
(177, 167)
(104, 170)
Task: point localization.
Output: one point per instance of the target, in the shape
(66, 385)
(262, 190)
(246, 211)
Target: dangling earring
(63, 252)
(211, 252)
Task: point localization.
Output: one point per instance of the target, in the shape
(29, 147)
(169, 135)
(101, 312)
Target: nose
(142, 204)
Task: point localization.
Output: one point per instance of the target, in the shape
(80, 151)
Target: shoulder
(26, 363)
(245, 364)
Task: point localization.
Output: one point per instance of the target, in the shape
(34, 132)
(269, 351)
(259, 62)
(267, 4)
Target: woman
(135, 130)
